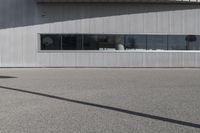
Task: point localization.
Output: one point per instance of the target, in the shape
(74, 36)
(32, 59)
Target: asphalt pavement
(98, 100)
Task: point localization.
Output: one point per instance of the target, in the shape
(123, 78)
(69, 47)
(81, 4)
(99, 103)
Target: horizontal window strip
(118, 42)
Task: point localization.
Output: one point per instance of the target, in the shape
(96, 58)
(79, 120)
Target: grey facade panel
(22, 20)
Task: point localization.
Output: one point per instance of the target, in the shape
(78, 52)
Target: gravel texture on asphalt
(97, 100)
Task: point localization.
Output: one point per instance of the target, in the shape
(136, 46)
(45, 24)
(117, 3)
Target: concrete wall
(22, 20)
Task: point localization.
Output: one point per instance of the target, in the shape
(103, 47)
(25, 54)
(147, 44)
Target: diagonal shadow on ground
(6, 77)
(164, 119)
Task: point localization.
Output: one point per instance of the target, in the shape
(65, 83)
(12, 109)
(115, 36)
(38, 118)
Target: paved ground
(99, 100)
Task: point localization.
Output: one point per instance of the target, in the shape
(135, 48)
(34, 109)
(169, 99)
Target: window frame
(109, 51)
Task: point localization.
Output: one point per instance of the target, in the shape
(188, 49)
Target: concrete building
(99, 33)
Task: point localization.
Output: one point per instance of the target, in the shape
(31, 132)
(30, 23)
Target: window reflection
(135, 42)
(192, 42)
(51, 42)
(119, 42)
(157, 42)
(106, 42)
(90, 42)
(176, 42)
(71, 42)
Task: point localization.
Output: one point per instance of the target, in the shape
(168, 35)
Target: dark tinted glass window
(103, 42)
(135, 42)
(155, 42)
(192, 42)
(90, 42)
(119, 42)
(106, 42)
(50, 42)
(176, 42)
(72, 42)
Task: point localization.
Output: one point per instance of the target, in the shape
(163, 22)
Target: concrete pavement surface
(83, 100)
